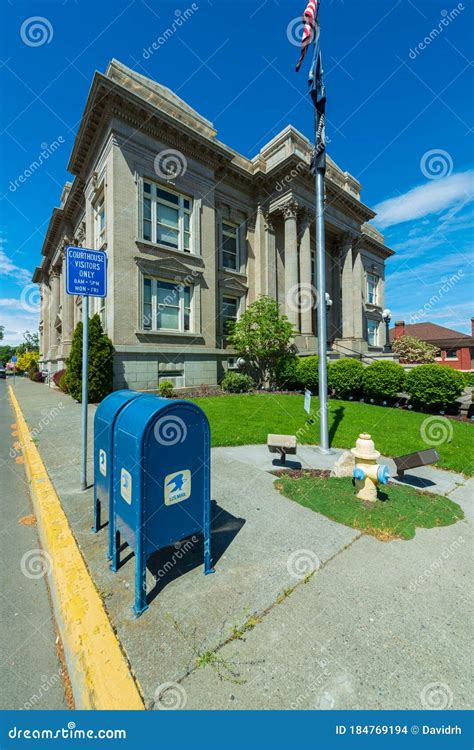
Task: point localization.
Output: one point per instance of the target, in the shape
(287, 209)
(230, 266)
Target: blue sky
(400, 106)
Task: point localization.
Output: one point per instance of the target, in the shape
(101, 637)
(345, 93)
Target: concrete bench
(414, 460)
(284, 445)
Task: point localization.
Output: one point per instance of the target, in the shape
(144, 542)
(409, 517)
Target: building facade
(455, 349)
(194, 233)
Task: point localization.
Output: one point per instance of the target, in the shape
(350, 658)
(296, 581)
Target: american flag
(309, 25)
(317, 89)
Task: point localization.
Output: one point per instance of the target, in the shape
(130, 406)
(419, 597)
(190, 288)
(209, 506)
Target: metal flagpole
(319, 100)
(85, 395)
(321, 303)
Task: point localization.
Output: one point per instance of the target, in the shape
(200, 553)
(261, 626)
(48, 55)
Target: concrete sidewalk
(376, 627)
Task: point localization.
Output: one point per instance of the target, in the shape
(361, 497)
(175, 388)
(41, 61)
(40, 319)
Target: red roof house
(456, 349)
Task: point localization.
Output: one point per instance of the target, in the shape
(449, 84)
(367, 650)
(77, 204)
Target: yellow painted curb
(99, 671)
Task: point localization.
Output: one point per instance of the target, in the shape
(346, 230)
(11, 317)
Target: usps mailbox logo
(126, 485)
(103, 462)
(177, 487)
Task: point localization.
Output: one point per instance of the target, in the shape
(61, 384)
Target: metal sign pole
(85, 395)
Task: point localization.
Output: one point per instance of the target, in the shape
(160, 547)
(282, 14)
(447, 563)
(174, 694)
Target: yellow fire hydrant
(368, 474)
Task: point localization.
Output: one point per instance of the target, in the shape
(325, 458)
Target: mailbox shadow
(173, 562)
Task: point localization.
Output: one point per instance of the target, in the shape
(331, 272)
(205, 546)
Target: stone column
(270, 257)
(306, 280)
(336, 296)
(54, 310)
(258, 253)
(291, 263)
(67, 313)
(45, 315)
(347, 295)
(357, 297)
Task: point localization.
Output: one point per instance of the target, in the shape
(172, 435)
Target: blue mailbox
(104, 422)
(161, 492)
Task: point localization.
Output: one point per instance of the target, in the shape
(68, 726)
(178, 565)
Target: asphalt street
(30, 673)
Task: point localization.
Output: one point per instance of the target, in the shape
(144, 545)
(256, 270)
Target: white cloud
(10, 269)
(16, 324)
(430, 198)
(11, 303)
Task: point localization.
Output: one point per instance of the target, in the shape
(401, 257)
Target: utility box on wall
(161, 488)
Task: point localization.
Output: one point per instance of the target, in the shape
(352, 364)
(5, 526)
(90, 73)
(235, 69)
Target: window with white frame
(230, 246)
(372, 283)
(451, 353)
(372, 332)
(229, 313)
(166, 217)
(99, 241)
(166, 306)
(99, 223)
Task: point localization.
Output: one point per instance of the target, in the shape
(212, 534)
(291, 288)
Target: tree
(100, 374)
(2, 329)
(27, 361)
(413, 351)
(31, 343)
(6, 353)
(262, 336)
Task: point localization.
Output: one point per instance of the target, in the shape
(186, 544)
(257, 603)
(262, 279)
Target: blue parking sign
(86, 272)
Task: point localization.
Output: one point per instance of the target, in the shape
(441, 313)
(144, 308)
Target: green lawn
(397, 516)
(247, 419)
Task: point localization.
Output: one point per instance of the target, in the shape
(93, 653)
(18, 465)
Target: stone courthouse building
(195, 232)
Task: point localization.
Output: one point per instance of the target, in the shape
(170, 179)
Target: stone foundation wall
(144, 371)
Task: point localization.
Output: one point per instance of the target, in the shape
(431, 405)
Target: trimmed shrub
(63, 382)
(307, 372)
(33, 371)
(100, 375)
(286, 373)
(57, 377)
(382, 380)
(36, 377)
(237, 382)
(434, 386)
(345, 377)
(165, 388)
(468, 379)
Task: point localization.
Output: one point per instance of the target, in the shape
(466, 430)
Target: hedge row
(429, 386)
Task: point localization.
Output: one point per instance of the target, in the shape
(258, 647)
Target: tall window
(372, 282)
(372, 332)
(230, 311)
(99, 223)
(166, 217)
(230, 250)
(99, 240)
(166, 306)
